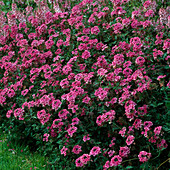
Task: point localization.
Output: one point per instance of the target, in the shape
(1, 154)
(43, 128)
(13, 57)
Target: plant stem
(129, 160)
(163, 163)
(156, 156)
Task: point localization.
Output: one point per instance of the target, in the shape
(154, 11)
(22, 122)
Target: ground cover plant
(86, 83)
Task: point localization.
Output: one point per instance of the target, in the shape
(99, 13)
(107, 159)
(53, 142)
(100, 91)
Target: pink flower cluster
(43, 116)
(87, 73)
(106, 117)
(82, 160)
(144, 156)
(101, 93)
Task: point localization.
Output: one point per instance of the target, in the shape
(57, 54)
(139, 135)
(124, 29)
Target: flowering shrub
(87, 82)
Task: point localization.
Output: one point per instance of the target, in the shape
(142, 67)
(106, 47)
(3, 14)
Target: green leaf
(129, 167)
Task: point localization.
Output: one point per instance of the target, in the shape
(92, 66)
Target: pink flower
(137, 124)
(105, 117)
(130, 139)
(22, 25)
(59, 43)
(140, 60)
(95, 151)
(86, 31)
(82, 47)
(64, 83)
(63, 151)
(85, 138)
(166, 45)
(112, 141)
(100, 93)
(11, 93)
(78, 162)
(147, 4)
(146, 23)
(57, 123)
(144, 156)
(8, 114)
(76, 149)
(66, 69)
(42, 29)
(43, 116)
(86, 99)
(153, 139)
(86, 54)
(126, 21)
(163, 144)
(109, 116)
(160, 77)
(111, 152)
(117, 28)
(114, 100)
(115, 161)
(99, 46)
(127, 72)
(56, 104)
(135, 14)
(46, 137)
(32, 36)
(95, 30)
(19, 113)
(99, 120)
(63, 114)
(101, 72)
(34, 43)
(82, 66)
(106, 165)
(142, 110)
(85, 158)
(124, 151)
(22, 43)
(118, 60)
(127, 64)
(149, 13)
(75, 121)
(71, 130)
(24, 92)
(45, 100)
(122, 131)
(147, 125)
(157, 130)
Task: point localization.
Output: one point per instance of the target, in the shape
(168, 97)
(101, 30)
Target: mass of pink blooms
(59, 65)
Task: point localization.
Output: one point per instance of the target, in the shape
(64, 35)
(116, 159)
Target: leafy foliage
(87, 83)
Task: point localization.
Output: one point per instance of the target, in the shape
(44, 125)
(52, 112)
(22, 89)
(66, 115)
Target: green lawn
(13, 157)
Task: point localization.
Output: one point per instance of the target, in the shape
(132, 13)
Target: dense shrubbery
(86, 83)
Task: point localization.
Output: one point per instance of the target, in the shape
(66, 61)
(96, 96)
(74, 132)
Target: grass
(14, 157)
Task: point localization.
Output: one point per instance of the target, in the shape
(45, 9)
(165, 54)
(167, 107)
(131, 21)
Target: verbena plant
(86, 82)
